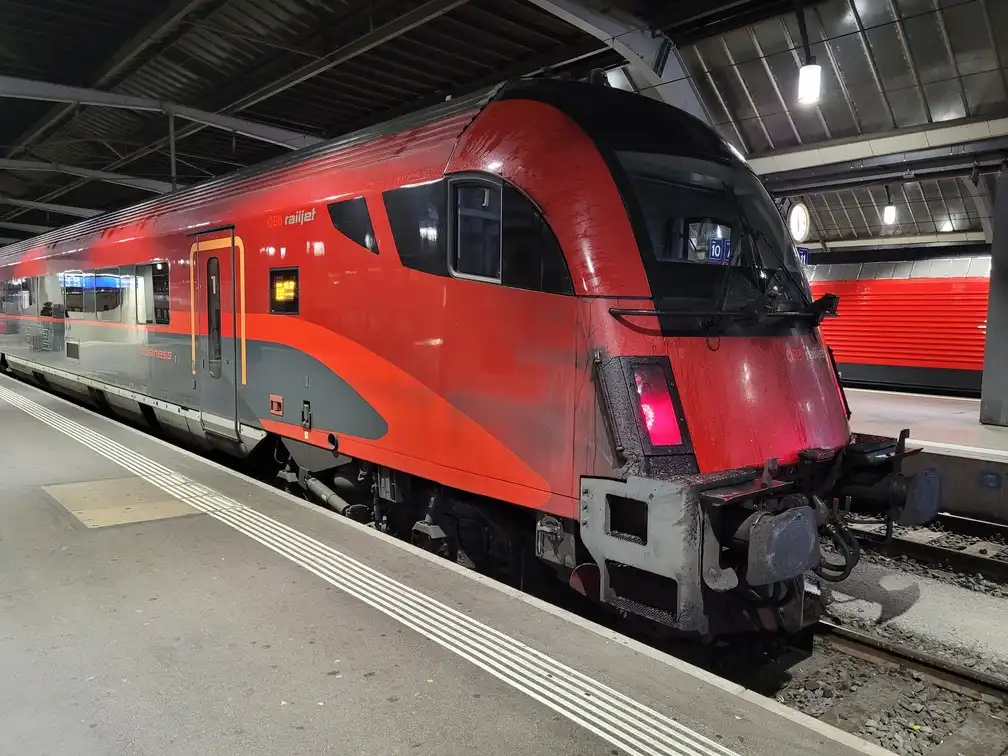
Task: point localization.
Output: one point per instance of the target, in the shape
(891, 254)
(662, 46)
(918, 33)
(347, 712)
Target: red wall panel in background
(918, 322)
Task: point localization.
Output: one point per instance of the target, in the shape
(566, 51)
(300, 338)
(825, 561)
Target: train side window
(416, 216)
(50, 297)
(213, 317)
(26, 288)
(73, 290)
(151, 288)
(531, 256)
(352, 219)
(285, 297)
(18, 296)
(88, 311)
(476, 247)
(108, 295)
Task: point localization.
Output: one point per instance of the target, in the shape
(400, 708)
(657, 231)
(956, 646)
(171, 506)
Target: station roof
(322, 68)
(888, 67)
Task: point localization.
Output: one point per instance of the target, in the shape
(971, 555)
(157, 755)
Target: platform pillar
(994, 386)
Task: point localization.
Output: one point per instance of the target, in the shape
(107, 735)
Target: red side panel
(426, 435)
(911, 322)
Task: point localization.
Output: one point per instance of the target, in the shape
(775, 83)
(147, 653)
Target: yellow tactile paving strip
(122, 501)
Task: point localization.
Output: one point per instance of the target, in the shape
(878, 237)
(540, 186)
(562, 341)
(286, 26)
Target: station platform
(154, 602)
(938, 424)
(972, 458)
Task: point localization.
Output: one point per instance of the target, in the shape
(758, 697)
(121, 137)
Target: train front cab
(711, 460)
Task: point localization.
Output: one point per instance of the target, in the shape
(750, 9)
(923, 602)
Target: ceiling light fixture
(889, 213)
(810, 75)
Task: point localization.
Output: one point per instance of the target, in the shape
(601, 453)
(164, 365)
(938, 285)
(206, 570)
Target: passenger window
(152, 300)
(88, 310)
(73, 290)
(50, 297)
(27, 296)
(284, 295)
(531, 255)
(352, 219)
(108, 295)
(477, 244)
(416, 215)
(213, 317)
(19, 296)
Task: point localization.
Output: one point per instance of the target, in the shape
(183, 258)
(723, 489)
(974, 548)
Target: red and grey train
(552, 330)
(917, 324)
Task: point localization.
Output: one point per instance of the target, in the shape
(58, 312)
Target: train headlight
(656, 407)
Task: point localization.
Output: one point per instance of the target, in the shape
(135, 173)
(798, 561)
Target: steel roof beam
(655, 66)
(77, 212)
(403, 24)
(687, 23)
(28, 89)
(918, 240)
(29, 228)
(906, 167)
(396, 28)
(890, 144)
(156, 34)
(150, 185)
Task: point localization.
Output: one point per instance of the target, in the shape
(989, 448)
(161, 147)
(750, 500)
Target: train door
(214, 304)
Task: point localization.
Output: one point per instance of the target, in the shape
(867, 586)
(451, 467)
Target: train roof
(169, 202)
(624, 120)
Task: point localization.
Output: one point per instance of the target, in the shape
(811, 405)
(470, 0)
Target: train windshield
(709, 231)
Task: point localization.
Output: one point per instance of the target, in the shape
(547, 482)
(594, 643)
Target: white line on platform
(616, 718)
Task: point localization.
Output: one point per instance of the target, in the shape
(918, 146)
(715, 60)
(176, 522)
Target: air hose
(848, 547)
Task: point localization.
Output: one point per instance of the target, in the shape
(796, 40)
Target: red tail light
(657, 409)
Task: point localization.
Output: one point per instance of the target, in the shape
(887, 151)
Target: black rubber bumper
(782, 546)
(923, 497)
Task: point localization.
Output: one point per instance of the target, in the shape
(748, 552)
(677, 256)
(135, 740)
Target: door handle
(204, 363)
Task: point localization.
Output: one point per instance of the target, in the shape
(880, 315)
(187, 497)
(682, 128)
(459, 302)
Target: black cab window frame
(472, 179)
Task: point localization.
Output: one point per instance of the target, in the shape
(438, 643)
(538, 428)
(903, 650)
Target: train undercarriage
(705, 555)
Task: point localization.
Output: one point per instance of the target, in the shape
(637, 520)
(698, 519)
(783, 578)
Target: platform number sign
(802, 255)
(718, 250)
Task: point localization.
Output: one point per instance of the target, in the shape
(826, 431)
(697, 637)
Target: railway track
(898, 697)
(961, 544)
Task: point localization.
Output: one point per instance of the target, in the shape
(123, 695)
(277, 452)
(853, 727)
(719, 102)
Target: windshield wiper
(760, 236)
(754, 236)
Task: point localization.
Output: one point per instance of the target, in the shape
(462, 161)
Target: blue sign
(718, 250)
(90, 281)
(803, 255)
